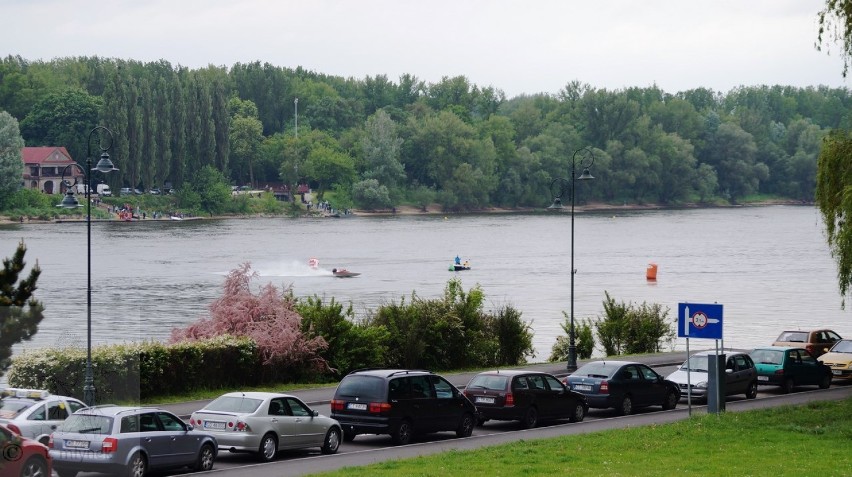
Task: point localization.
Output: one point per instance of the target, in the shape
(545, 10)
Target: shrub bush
(131, 372)
(627, 329)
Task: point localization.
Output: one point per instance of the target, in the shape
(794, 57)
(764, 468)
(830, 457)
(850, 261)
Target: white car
(35, 413)
(740, 375)
(264, 423)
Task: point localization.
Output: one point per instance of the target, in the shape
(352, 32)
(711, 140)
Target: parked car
(35, 413)
(740, 375)
(525, 396)
(623, 385)
(401, 403)
(154, 191)
(125, 191)
(128, 441)
(265, 422)
(816, 342)
(21, 456)
(839, 359)
(789, 367)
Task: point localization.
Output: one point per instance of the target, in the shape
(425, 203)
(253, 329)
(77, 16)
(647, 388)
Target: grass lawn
(813, 439)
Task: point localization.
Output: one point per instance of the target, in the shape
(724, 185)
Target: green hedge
(138, 371)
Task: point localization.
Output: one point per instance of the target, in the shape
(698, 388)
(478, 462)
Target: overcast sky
(524, 46)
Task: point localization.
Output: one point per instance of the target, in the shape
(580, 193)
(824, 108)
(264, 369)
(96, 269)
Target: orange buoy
(651, 272)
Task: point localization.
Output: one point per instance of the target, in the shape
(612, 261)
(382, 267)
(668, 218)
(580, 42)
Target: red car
(20, 456)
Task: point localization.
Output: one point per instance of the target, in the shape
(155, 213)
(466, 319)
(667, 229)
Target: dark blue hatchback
(623, 386)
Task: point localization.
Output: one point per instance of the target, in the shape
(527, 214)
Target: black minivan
(401, 403)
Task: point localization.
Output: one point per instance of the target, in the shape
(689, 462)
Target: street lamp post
(587, 159)
(296, 108)
(70, 201)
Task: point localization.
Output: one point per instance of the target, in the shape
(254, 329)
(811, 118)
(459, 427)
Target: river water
(769, 266)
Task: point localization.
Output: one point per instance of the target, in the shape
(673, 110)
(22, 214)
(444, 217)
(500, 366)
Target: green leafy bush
(628, 329)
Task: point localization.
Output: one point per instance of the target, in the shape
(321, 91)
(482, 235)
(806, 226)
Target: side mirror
(314, 413)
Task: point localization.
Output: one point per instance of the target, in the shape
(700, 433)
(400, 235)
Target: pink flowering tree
(268, 317)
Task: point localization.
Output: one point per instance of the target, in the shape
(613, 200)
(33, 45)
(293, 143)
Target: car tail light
(192, 422)
(779, 371)
(510, 400)
(241, 426)
(109, 445)
(336, 404)
(14, 429)
(809, 349)
(50, 442)
(379, 407)
(604, 389)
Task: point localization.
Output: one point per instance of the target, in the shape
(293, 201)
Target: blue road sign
(699, 320)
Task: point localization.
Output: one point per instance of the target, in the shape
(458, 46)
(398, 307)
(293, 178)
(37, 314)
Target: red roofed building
(43, 167)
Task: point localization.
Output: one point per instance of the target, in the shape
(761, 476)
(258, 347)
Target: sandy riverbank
(435, 209)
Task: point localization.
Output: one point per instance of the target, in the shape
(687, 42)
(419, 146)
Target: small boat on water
(343, 273)
(458, 265)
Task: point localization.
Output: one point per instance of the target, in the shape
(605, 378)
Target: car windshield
(696, 363)
(844, 346)
(794, 337)
(10, 408)
(86, 424)
(486, 381)
(238, 404)
(767, 356)
(364, 387)
(600, 369)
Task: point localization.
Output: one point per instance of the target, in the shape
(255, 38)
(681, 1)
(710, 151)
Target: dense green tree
(834, 200)
(245, 139)
(369, 194)
(20, 313)
(212, 189)
(62, 118)
(835, 26)
(328, 167)
(381, 151)
(11, 164)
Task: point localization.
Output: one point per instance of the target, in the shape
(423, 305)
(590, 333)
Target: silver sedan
(264, 423)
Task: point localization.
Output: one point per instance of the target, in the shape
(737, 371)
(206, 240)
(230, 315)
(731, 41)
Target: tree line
(377, 143)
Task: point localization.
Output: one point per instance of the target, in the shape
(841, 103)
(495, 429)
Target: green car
(789, 367)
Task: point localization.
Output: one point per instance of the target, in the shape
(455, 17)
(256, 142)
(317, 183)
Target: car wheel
(332, 441)
(579, 413)
(348, 436)
(268, 448)
(466, 425)
(626, 407)
(35, 467)
(138, 466)
(530, 419)
(206, 456)
(402, 434)
(751, 392)
(671, 400)
(826, 382)
(787, 386)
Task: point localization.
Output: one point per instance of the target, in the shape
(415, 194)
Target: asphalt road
(367, 449)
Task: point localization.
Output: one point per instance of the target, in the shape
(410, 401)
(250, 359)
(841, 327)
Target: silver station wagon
(264, 423)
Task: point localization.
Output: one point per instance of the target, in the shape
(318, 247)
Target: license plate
(583, 387)
(214, 425)
(836, 372)
(77, 444)
(763, 378)
(356, 406)
(485, 400)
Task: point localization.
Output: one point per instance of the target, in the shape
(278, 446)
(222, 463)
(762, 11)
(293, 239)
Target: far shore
(435, 209)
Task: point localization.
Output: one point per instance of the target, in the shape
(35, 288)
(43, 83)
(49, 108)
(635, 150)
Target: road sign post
(702, 320)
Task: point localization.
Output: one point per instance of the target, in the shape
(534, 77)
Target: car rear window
(86, 424)
(363, 387)
(767, 356)
(494, 383)
(794, 337)
(597, 369)
(10, 408)
(237, 404)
